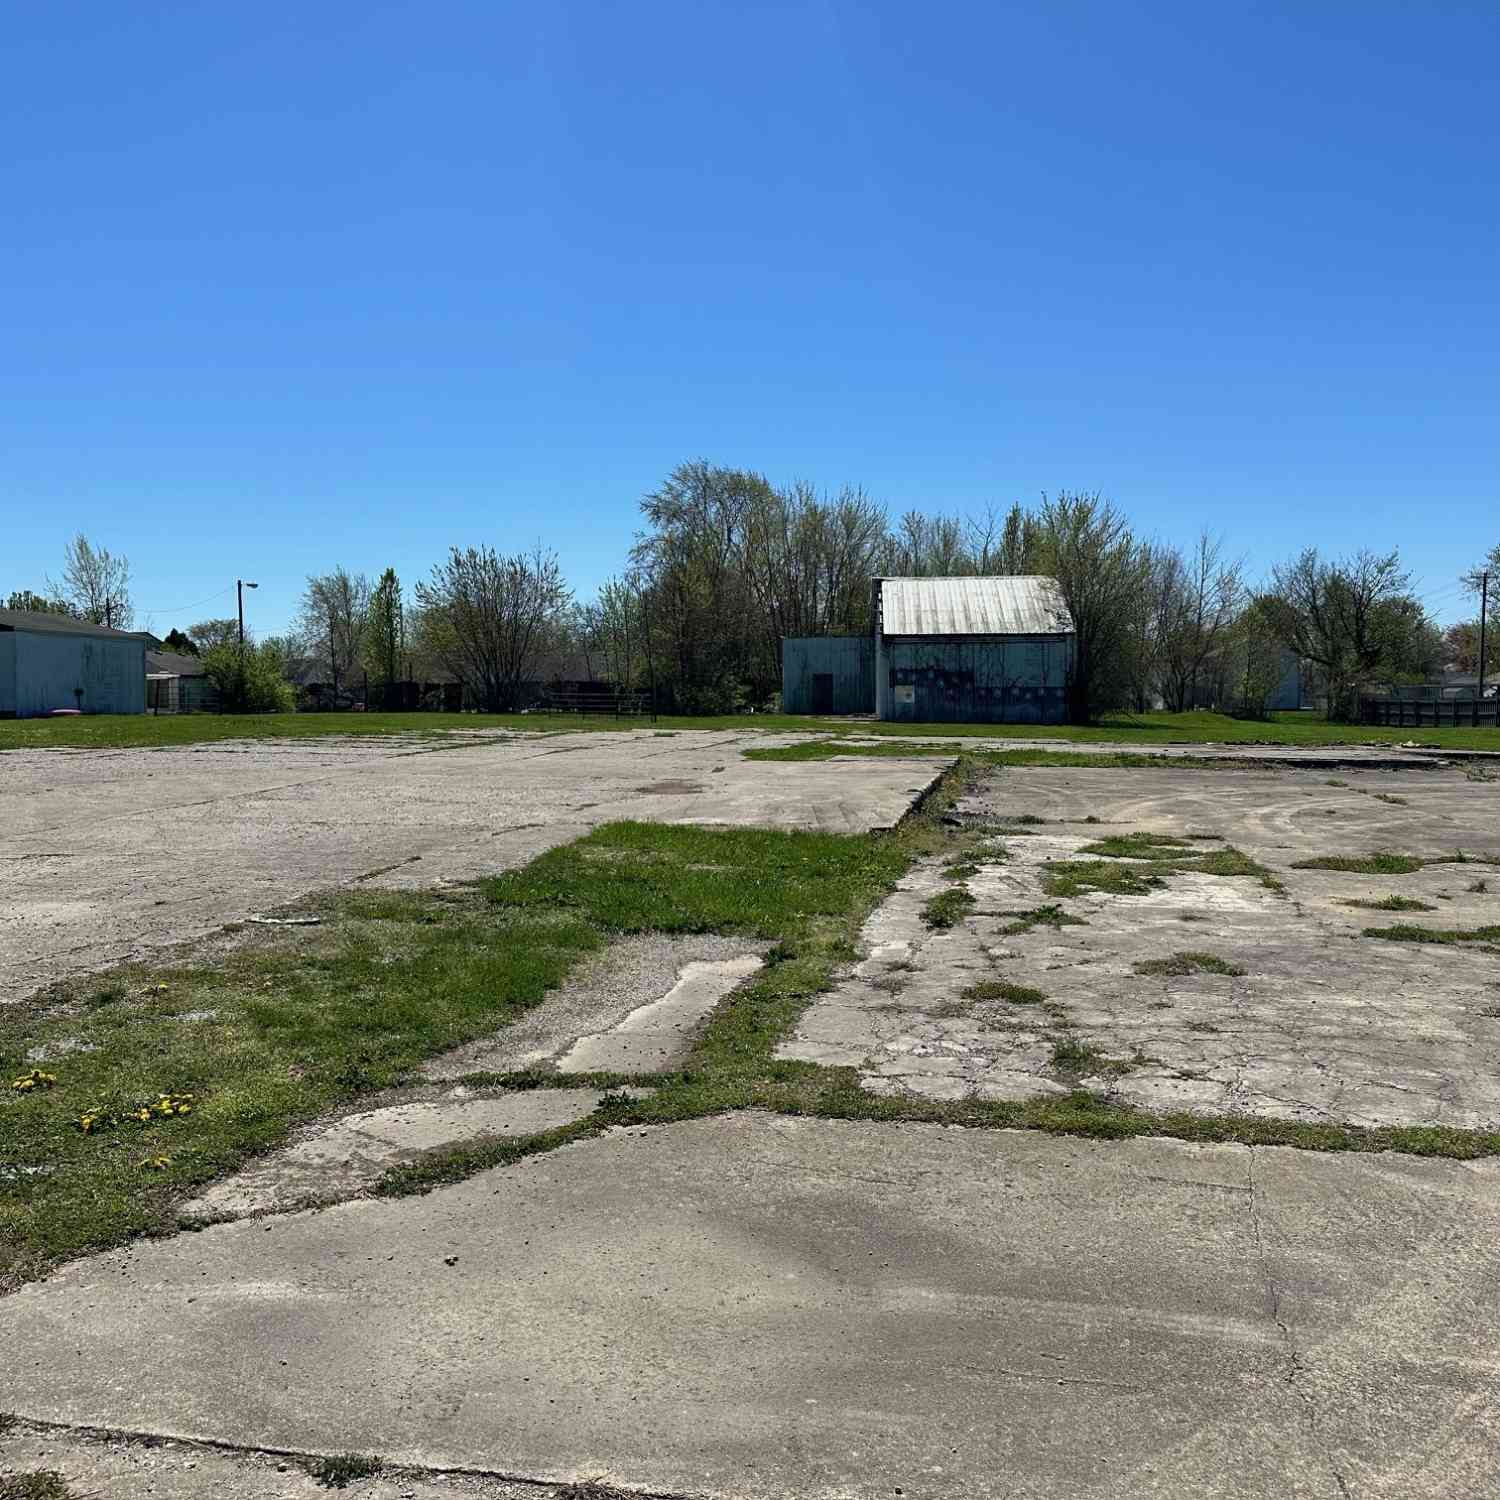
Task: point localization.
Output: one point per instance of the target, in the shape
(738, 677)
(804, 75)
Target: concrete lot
(753, 1307)
(106, 854)
(1323, 1024)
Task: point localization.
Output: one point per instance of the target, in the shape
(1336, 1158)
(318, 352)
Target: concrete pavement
(755, 1306)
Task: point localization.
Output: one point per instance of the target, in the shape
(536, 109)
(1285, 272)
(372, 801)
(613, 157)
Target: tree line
(727, 565)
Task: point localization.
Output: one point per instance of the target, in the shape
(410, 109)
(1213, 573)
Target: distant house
(178, 684)
(52, 661)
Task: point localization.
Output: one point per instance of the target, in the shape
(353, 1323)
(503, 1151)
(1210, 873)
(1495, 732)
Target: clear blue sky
(287, 286)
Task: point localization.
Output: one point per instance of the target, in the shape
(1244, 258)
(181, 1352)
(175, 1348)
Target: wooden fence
(1431, 713)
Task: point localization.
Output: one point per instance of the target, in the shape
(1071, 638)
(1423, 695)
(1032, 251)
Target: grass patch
(948, 908)
(1479, 888)
(1182, 964)
(999, 989)
(1390, 903)
(39, 1484)
(342, 1469)
(1408, 932)
(194, 1069)
(1134, 845)
(1364, 864)
(1050, 915)
(1391, 798)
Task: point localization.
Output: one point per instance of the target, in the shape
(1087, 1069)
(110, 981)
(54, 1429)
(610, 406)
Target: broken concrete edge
(564, 1487)
(944, 765)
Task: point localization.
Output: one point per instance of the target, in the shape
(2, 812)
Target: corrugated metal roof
(1022, 604)
(56, 624)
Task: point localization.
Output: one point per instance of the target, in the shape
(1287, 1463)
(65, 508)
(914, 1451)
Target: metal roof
(57, 624)
(1022, 604)
(173, 664)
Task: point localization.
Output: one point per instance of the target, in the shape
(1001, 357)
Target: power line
(179, 608)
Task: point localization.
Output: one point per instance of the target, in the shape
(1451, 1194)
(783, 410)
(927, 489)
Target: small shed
(971, 650)
(178, 684)
(828, 674)
(51, 661)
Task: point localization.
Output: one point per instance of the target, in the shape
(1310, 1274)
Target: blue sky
(288, 286)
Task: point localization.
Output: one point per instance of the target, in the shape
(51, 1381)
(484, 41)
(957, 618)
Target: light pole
(239, 588)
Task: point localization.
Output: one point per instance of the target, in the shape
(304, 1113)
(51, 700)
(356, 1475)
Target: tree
(1102, 572)
(37, 604)
(207, 634)
(488, 617)
(1352, 618)
(96, 584)
(332, 618)
(1200, 602)
(1474, 578)
(1460, 647)
(1255, 651)
(384, 629)
(250, 679)
(175, 640)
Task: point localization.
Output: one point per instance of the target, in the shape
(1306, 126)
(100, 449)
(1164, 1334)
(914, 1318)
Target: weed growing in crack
(948, 908)
(999, 989)
(341, 1469)
(39, 1484)
(1179, 965)
(1407, 932)
(1392, 903)
(1051, 915)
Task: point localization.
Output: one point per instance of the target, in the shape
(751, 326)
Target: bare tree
(1349, 618)
(490, 616)
(96, 584)
(332, 620)
(1196, 608)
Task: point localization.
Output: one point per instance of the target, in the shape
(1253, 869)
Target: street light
(240, 586)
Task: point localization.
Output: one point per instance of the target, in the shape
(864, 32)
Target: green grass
(999, 989)
(1138, 872)
(1389, 863)
(39, 1484)
(1390, 903)
(1134, 845)
(1179, 965)
(192, 1068)
(342, 1469)
(1050, 915)
(1409, 932)
(948, 908)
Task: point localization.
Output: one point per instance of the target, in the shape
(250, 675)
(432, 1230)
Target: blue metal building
(971, 650)
(50, 661)
(828, 674)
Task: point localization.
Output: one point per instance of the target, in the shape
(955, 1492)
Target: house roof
(174, 664)
(1020, 604)
(55, 624)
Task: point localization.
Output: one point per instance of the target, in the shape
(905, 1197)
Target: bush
(249, 680)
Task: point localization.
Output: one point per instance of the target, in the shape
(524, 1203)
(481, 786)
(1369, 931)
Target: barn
(51, 661)
(971, 650)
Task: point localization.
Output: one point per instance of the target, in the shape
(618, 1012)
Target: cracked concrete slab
(336, 1158)
(620, 980)
(1324, 1024)
(756, 1306)
(660, 1034)
(87, 879)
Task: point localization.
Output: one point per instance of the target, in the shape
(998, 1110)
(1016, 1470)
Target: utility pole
(239, 592)
(1484, 599)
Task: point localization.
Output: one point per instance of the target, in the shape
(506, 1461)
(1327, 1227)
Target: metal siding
(100, 674)
(955, 607)
(7, 673)
(850, 660)
(988, 681)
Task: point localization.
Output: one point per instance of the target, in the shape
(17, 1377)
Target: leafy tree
(175, 640)
(250, 679)
(209, 633)
(1352, 618)
(1103, 572)
(37, 604)
(487, 617)
(96, 584)
(1200, 598)
(384, 629)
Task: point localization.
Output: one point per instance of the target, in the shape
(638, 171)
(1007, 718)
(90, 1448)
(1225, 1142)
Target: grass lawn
(125, 731)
